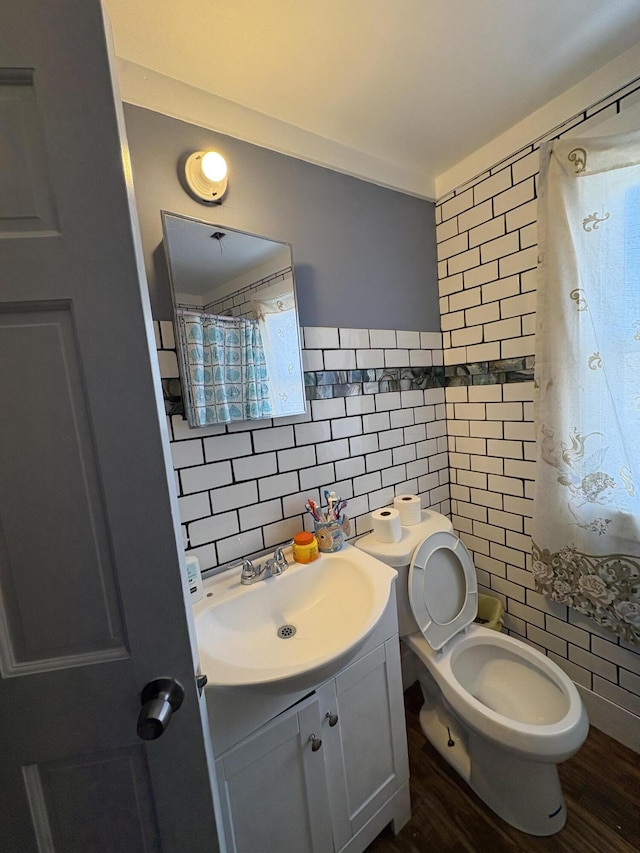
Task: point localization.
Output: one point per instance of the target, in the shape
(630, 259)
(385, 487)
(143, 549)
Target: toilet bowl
(500, 712)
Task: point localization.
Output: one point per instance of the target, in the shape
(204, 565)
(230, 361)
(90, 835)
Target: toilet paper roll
(386, 524)
(410, 509)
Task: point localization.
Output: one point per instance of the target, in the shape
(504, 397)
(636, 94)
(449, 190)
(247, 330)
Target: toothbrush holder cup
(330, 536)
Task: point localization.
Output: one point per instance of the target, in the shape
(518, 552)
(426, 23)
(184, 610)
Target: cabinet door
(367, 746)
(273, 787)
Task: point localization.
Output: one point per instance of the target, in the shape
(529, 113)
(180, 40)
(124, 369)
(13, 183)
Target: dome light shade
(205, 173)
(214, 166)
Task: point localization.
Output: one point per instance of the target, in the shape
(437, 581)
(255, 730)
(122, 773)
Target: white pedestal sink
(299, 626)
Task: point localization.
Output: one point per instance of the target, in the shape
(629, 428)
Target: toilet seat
(443, 589)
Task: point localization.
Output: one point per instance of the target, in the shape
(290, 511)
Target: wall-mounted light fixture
(205, 173)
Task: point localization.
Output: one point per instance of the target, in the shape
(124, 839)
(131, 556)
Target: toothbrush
(333, 500)
(313, 509)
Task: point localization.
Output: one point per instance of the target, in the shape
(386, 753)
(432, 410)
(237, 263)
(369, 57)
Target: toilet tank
(398, 555)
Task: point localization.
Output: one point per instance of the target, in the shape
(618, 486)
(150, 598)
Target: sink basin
(307, 621)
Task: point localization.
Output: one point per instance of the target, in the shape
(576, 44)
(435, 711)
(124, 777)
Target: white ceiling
(418, 85)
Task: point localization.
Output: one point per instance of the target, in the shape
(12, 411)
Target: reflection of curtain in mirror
(279, 326)
(224, 360)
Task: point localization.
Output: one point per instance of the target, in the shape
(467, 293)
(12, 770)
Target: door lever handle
(159, 699)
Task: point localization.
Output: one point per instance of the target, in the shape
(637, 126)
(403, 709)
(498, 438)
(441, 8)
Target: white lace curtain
(586, 526)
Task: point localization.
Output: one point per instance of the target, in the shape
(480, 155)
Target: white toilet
(500, 712)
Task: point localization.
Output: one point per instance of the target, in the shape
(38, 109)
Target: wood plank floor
(601, 786)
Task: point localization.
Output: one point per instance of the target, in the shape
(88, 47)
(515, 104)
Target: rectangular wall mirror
(236, 323)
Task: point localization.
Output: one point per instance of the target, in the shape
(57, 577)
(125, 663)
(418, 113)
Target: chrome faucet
(272, 567)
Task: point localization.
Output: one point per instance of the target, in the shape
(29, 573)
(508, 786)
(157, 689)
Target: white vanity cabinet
(273, 787)
(280, 795)
(363, 732)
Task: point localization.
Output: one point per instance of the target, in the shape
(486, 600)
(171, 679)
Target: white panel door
(91, 596)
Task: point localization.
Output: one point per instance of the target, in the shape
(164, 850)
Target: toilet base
(447, 736)
(524, 793)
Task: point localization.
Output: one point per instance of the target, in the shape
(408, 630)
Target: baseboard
(611, 719)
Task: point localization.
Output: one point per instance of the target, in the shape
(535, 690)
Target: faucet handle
(278, 563)
(280, 557)
(248, 570)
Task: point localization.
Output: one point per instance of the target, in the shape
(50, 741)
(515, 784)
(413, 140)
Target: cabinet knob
(333, 718)
(315, 742)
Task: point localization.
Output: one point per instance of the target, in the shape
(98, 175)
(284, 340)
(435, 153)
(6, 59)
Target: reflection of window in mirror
(275, 311)
(244, 368)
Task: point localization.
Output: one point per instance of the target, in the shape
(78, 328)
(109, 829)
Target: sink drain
(286, 631)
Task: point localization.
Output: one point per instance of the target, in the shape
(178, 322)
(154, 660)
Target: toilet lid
(443, 588)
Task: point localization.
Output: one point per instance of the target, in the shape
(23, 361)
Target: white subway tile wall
(487, 258)
(240, 303)
(243, 487)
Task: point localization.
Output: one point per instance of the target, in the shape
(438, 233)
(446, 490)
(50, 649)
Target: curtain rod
(200, 313)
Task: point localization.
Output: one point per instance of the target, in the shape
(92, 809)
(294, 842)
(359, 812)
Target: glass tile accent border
(325, 384)
(490, 372)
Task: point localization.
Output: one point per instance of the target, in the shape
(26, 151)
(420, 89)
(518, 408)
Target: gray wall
(364, 256)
